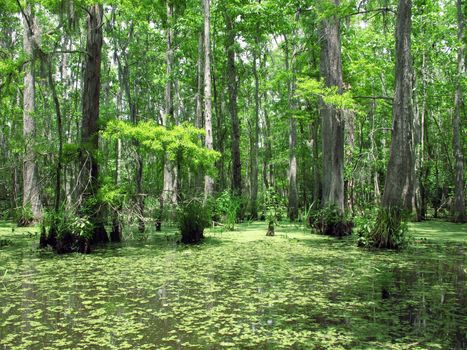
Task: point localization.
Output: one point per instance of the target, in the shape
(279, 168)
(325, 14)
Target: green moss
(439, 231)
(237, 290)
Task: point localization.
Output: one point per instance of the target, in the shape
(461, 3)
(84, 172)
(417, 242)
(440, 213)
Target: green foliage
(364, 224)
(390, 229)
(66, 223)
(307, 87)
(274, 207)
(226, 207)
(70, 152)
(193, 218)
(180, 142)
(24, 215)
(111, 194)
(81, 226)
(331, 221)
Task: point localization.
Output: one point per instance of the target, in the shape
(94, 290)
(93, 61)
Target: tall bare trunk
(292, 208)
(316, 168)
(58, 113)
(372, 156)
(417, 156)
(254, 143)
(116, 233)
(90, 127)
(169, 194)
(220, 139)
(31, 192)
(351, 142)
(232, 89)
(332, 118)
(268, 166)
(199, 179)
(208, 181)
(398, 189)
(459, 200)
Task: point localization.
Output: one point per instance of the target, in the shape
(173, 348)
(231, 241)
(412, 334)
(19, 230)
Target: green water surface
(238, 290)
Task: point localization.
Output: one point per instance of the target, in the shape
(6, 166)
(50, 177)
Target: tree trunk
(351, 142)
(459, 200)
(254, 144)
(398, 188)
(332, 119)
(199, 178)
(292, 208)
(371, 154)
(268, 167)
(221, 183)
(31, 192)
(208, 181)
(316, 168)
(169, 192)
(232, 90)
(90, 126)
(417, 156)
(116, 234)
(58, 113)
(220, 146)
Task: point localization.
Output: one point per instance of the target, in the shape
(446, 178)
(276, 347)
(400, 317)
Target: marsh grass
(237, 290)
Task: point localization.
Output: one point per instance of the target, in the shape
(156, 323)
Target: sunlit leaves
(311, 87)
(180, 142)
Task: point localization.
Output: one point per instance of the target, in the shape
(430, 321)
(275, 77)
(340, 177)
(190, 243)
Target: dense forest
(121, 112)
(259, 127)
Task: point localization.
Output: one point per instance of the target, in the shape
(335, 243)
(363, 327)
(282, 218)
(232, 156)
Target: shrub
(194, 217)
(273, 210)
(66, 232)
(389, 230)
(24, 216)
(226, 208)
(330, 221)
(364, 224)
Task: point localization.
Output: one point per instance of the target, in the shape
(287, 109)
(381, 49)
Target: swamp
(238, 289)
(233, 174)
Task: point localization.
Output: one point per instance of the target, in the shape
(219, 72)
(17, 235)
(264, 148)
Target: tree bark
(332, 119)
(316, 168)
(208, 142)
(31, 191)
(350, 184)
(199, 177)
(459, 200)
(232, 90)
(58, 113)
(90, 123)
(292, 208)
(398, 189)
(254, 143)
(169, 191)
(268, 167)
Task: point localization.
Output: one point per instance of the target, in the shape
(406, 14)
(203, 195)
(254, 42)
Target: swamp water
(239, 290)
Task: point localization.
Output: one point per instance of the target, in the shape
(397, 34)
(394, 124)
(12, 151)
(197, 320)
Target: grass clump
(331, 221)
(388, 230)
(194, 217)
